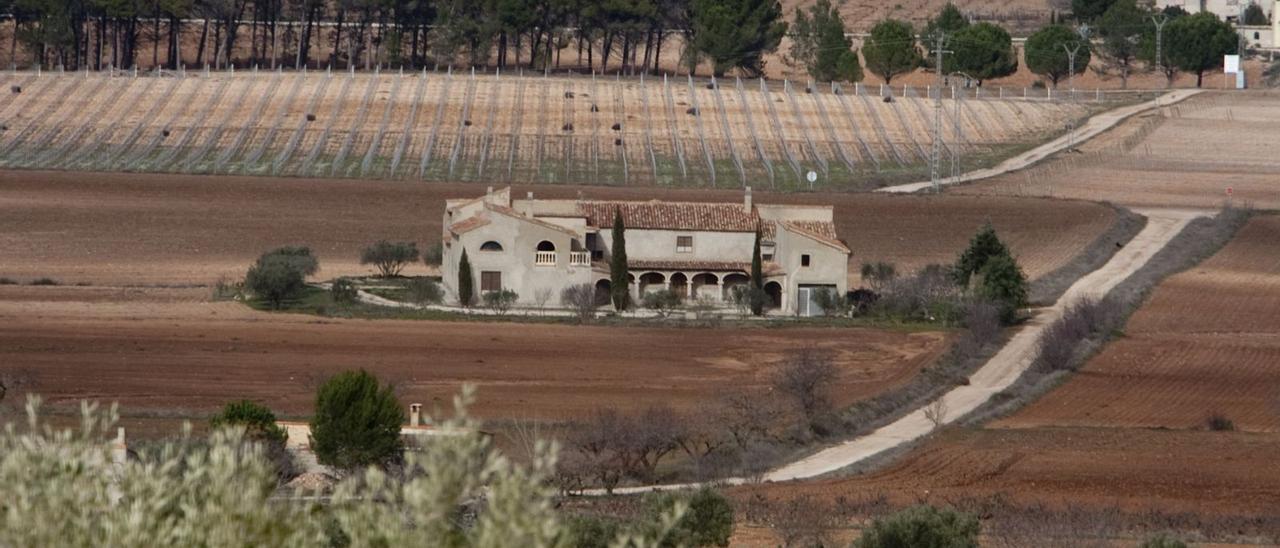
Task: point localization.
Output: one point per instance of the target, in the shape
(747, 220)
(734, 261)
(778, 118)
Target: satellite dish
(812, 177)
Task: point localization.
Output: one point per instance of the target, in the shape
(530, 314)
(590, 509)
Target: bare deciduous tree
(936, 412)
(581, 299)
(748, 416)
(801, 521)
(805, 379)
(541, 297)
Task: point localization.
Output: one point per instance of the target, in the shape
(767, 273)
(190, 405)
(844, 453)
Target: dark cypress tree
(618, 290)
(757, 279)
(466, 283)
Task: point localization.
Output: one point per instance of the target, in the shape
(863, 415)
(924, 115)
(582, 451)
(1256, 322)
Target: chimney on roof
(746, 201)
(529, 195)
(415, 414)
(488, 191)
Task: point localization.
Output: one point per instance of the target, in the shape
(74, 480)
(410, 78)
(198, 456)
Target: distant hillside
(1019, 16)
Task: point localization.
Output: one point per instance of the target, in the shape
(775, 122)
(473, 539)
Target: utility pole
(1160, 19)
(955, 128)
(936, 157)
(1071, 57)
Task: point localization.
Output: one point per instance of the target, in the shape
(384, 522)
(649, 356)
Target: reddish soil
(131, 229)
(167, 352)
(1204, 343)
(1128, 430)
(1134, 469)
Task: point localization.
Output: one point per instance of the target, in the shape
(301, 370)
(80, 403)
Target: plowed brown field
(128, 229)
(1206, 342)
(1136, 469)
(1128, 430)
(166, 351)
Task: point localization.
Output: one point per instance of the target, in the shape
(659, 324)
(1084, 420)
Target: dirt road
(1098, 123)
(1005, 367)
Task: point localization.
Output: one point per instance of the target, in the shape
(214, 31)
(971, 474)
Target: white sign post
(1230, 64)
(813, 178)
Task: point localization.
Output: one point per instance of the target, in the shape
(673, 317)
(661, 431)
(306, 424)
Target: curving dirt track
(137, 229)
(1204, 343)
(1189, 156)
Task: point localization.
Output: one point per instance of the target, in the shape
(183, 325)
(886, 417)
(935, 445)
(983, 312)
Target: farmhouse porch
(707, 281)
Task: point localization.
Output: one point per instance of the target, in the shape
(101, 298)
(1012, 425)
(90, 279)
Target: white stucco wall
(827, 266)
(647, 244)
(519, 242)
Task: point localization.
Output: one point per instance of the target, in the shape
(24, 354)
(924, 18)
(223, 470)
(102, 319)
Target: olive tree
(280, 274)
(389, 257)
(64, 488)
(922, 527)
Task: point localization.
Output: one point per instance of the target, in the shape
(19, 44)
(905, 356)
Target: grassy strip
(1199, 240)
(1045, 290)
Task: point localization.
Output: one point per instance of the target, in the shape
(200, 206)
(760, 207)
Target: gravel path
(997, 374)
(1006, 366)
(1096, 124)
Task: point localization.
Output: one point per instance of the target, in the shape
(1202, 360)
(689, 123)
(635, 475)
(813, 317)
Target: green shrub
(1163, 540)
(982, 247)
(434, 255)
(707, 521)
(1004, 283)
(356, 422)
(280, 274)
(344, 292)
(258, 421)
(661, 301)
(390, 257)
(1218, 422)
(922, 527)
(424, 291)
(45, 281)
(226, 290)
(831, 302)
(592, 531)
(8, 281)
(500, 301)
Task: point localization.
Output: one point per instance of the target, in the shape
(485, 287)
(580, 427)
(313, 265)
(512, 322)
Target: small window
(804, 260)
(490, 281)
(1256, 35)
(684, 244)
(491, 246)
(766, 256)
(545, 245)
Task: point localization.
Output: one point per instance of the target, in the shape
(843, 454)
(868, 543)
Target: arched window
(545, 245)
(491, 246)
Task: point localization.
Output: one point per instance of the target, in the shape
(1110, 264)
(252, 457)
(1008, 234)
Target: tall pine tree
(619, 292)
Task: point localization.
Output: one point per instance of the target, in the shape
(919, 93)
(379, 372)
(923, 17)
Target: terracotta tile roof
(468, 224)
(821, 231)
(717, 217)
(516, 214)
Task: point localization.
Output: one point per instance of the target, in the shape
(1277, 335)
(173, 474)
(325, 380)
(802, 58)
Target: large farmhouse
(700, 251)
